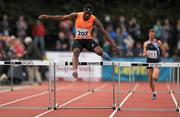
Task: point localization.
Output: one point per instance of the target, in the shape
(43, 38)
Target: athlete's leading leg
(98, 50)
(75, 61)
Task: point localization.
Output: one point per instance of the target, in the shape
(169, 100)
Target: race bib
(152, 54)
(82, 33)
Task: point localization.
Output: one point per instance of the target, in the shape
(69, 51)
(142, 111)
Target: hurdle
(91, 90)
(172, 92)
(14, 63)
(102, 63)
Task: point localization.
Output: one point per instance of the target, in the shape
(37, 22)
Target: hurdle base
(49, 108)
(91, 90)
(147, 109)
(84, 107)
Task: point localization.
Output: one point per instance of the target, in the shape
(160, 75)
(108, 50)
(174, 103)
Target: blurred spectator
(130, 45)
(166, 31)
(38, 32)
(14, 50)
(111, 31)
(66, 28)
(21, 27)
(178, 37)
(134, 29)
(122, 34)
(4, 68)
(122, 22)
(5, 29)
(107, 19)
(107, 48)
(32, 52)
(166, 48)
(2, 51)
(17, 48)
(62, 44)
(158, 28)
(138, 50)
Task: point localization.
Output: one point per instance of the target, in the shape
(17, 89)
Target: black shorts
(88, 44)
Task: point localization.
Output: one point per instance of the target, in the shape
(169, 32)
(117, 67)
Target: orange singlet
(84, 28)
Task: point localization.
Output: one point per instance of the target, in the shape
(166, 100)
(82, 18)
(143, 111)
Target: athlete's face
(151, 36)
(87, 15)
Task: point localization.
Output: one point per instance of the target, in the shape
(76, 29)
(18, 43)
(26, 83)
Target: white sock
(154, 92)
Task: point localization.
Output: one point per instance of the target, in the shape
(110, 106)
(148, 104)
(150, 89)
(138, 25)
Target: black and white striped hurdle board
(100, 63)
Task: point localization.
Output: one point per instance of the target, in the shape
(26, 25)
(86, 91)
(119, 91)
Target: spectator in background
(121, 35)
(4, 68)
(111, 31)
(158, 28)
(21, 27)
(138, 50)
(134, 29)
(166, 31)
(122, 22)
(38, 32)
(166, 48)
(16, 47)
(66, 28)
(16, 51)
(32, 52)
(178, 37)
(62, 44)
(107, 19)
(5, 29)
(129, 41)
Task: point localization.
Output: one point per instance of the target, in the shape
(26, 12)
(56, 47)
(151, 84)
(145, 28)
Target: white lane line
(124, 100)
(173, 97)
(32, 96)
(16, 88)
(72, 100)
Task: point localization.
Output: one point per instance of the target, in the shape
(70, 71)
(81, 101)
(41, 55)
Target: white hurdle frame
(107, 63)
(161, 64)
(113, 106)
(28, 63)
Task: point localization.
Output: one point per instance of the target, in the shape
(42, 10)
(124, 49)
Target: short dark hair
(88, 8)
(151, 30)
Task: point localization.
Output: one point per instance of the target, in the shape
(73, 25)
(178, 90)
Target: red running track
(76, 95)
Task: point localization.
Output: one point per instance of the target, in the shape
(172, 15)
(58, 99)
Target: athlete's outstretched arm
(106, 36)
(58, 17)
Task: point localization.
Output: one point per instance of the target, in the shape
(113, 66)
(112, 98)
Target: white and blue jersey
(153, 51)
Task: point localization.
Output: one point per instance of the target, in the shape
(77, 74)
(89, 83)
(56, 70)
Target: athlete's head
(88, 9)
(151, 34)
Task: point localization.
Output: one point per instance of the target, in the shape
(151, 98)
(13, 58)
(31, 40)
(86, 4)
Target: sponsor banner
(139, 73)
(85, 72)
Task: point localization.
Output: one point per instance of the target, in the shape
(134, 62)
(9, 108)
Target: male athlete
(153, 49)
(84, 22)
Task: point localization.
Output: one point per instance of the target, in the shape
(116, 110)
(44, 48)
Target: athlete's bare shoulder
(73, 15)
(146, 42)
